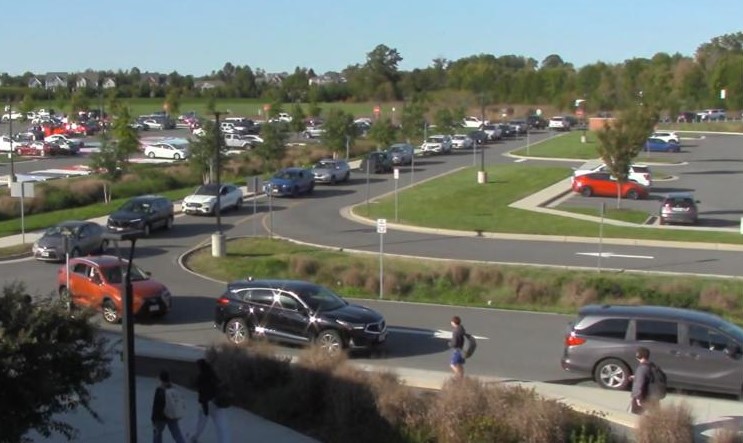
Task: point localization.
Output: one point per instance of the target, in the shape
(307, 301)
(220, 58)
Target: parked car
(687, 117)
(667, 136)
(637, 172)
(461, 141)
(479, 137)
(494, 132)
(69, 144)
(235, 140)
(712, 115)
(145, 213)
(296, 312)
(698, 351)
(153, 124)
(602, 184)
(331, 171)
(559, 123)
(436, 144)
(204, 199)
(519, 126)
(679, 207)
(660, 145)
(175, 149)
(536, 122)
(96, 282)
(401, 153)
(506, 130)
(290, 182)
(377, 162)
(138, 126)
(37, 149)
(84, 238)
(474, 122)
(13, 115)
(313, 132)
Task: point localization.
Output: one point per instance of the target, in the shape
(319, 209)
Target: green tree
(78, 102)
(108, 158)
(273, 148)
(446, 121)
(414, 117)
(298, 117)
(172, 104)
(339, 130)
(27, 104)
(383, 132)
(49, 360)
(202, 152)
(621, 140)
(126, 136)
(314, 109)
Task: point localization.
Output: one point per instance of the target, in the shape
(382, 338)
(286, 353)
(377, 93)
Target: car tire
(612, 374)
(110, 313)
(151, 154)
(330, 341)
(347, 177)
(176, 156)
(18, 151)
(237, 331)
(586, 191)
(632, 194)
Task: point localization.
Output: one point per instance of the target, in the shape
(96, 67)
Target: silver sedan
(331, 171)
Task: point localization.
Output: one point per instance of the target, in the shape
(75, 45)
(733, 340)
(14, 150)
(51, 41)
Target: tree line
(673, 82)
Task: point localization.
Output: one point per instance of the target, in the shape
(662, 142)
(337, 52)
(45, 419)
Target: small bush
(458, 274)
(353, 277)
(727, 434)
(303, 266)
(669, 424)
(716, 299)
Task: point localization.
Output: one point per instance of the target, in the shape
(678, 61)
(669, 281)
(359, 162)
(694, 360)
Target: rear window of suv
(641, 169)
(606, 328)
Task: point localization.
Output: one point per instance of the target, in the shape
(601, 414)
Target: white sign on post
(381, 226)
(396, 173)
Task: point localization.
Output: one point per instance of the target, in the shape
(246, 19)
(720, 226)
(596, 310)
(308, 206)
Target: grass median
(457, 202)
(462, 283)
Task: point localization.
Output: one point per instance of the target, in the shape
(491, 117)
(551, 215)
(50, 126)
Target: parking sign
(381, 225)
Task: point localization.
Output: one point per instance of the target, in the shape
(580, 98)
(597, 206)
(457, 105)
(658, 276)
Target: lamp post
(12, 177)
(482, 176)
(130, 382)
(218, 240)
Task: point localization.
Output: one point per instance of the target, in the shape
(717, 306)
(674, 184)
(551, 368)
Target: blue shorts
(457, 358)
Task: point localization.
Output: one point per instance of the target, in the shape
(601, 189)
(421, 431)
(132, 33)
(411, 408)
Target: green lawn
(564, 145)
(622, 214)
(456, 201)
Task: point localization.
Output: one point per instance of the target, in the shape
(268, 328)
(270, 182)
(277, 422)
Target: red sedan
(36, 149)
(603, 184)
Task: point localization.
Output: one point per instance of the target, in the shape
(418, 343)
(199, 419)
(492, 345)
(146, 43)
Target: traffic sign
(539, 112)
(381, 226)
(396, 173)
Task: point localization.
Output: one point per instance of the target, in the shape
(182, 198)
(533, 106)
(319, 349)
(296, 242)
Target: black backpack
(470, 344)
(656, 382)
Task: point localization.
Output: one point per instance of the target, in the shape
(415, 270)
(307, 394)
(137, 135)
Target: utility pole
(11, 153)
(218, 239)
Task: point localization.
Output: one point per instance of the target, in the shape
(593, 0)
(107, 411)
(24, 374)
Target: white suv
(711, 115)
(637, 173)
(667, 136)
(559, 123)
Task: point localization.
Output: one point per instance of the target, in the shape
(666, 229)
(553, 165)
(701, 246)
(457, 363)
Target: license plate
(154, 308)
(45, 254)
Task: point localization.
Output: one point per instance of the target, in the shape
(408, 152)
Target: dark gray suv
(698, 351)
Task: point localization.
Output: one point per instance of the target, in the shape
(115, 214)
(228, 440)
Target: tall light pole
(130, 382)
(218, 240)
(10, 135)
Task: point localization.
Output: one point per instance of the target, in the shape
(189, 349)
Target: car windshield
(60, 230)
(286, 175)
(210, 189)
(325, 165)
(136, 206)
(319, 298)
(113, 273)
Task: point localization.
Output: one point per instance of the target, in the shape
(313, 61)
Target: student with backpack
(168, 407)
(648, 383)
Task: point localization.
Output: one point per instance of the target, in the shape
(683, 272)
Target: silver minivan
(698, 351)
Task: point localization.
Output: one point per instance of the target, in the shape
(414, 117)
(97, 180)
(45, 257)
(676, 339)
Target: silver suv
(698, 351)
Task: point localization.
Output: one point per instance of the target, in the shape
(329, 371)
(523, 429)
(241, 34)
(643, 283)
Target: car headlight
(349, 325)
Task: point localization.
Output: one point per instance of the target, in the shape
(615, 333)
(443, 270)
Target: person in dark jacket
(208, 386)
(159, 419)
(457, 343)
(640, 400)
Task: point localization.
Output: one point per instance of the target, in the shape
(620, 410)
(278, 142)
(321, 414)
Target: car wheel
(586, 191)
(110, 314)
(151, 154)
(612, 374)
(18, 151)
(169, 223)
(176, 156)
(330, 341)
(348, 177)
(237, 331)
(632, 194)
(662, 221)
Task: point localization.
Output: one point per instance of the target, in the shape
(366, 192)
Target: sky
(198, 37)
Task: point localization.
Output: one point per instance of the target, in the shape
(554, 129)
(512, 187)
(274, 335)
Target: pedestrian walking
(167, 410)
(648, 383)
(213, 402)
(457, 343)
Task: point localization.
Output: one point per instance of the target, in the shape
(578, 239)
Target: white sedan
(152, 124)
(12, 116)
(204, 200)
(167, 149)
(461, 141)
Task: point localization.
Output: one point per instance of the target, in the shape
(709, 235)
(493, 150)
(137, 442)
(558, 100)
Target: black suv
(145, 213)
(296, 312)
(698, 351)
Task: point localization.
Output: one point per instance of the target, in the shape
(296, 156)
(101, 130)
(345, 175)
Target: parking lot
(709, 166)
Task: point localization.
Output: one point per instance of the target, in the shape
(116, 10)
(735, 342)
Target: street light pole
(10, 135)
(218, 240)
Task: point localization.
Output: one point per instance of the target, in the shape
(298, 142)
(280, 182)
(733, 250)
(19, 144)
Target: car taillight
(572, 340)
(223, 301)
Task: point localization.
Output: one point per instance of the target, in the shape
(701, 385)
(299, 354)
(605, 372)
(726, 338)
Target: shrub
(669, 424)
(714, 298)
(303, 266)
(458, 274)
(727, 434)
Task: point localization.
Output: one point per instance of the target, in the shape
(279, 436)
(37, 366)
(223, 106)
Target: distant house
(55, 80)
(87, 80)
(153, 79)
(272, 78)
(328, 78)
(108, 83)
(204, 85)
(34, 82)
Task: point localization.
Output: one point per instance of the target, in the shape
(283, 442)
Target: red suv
(604, 185)
(96, 282)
